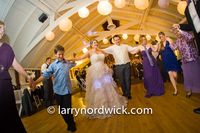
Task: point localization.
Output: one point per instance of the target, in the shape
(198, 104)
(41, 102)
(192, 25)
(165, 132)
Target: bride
(100, 86)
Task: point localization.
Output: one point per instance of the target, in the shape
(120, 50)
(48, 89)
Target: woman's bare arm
(86, 55)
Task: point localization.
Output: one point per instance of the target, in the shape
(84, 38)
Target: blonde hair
(4, 37)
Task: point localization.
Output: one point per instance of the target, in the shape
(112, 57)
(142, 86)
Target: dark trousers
(48, 92)
(64, 101)
(123, 74)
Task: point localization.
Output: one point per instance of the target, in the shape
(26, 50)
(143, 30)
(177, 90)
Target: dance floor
(171, 114)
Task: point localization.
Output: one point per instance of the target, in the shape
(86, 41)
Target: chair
(37, 101)
(18, 100)
(82, 84)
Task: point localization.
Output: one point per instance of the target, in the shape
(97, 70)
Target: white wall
(21, 24)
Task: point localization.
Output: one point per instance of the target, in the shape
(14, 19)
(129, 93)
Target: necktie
(47, 66)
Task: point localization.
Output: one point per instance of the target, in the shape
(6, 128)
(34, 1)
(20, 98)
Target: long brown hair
(161, 43)
(4, 37)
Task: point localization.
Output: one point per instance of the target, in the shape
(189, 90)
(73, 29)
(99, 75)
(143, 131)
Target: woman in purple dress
(153, 81)
(10, 120)
(190, 60)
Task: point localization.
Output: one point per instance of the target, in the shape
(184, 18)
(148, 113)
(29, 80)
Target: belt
(123, 64)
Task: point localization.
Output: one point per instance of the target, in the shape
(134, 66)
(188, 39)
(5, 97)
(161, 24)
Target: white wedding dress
(101, 88)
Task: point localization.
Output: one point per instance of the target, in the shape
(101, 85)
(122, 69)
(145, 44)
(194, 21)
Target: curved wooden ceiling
(132, 21)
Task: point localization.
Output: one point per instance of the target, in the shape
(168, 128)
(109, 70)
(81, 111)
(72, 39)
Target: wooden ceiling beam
(147, 11)
(166, 12)
(123, 27)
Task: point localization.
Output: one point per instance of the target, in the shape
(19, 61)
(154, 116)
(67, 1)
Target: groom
(122, 68)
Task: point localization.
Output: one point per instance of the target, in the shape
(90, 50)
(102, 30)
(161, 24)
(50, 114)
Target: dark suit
(190, 26)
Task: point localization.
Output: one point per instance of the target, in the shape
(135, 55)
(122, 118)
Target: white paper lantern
(141, 4)
(137, 37)
(181, 7)
(50, 36)
(157, 38)
(120, 3)
(105, 40)
(148, 37)
(84, 50)
(104, 8)
(163, 3)
(65, 24)
(83, 12)
(125, 36)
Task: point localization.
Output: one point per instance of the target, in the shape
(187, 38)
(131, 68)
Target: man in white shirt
(122, 67)
(48, 85)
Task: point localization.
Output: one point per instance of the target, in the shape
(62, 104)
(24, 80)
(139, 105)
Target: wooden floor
(171, 114)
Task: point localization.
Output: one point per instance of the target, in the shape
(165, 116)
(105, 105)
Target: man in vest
(48, 85)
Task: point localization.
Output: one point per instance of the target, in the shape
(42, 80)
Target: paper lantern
(141, 4)
(105, 40)
(137, 37)
(84, 50)
(181, 7)
(50, 36)
(65, 24)
(163, 3)
(120, 3)
(104, 8)
(83, 12)
(125, 36)
(148, 37)
(157, 38)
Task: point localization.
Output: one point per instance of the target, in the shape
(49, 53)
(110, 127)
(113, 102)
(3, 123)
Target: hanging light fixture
(104, 7)
(83, 12)
(105, 40)
(84, 50)
(148, 37)
(120, 3)
(181, 7)
(141, 4)
(65, 24)
(163, 3)
(125, 36)
(136, 37)
(50, 36)
(157, 38)
(110, 26)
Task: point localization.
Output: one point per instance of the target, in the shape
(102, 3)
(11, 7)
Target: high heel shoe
(175, 93)
(188, 94)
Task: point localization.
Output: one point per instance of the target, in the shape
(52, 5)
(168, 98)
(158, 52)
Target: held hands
(31, 83)
(176, 26)
(73, 59)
